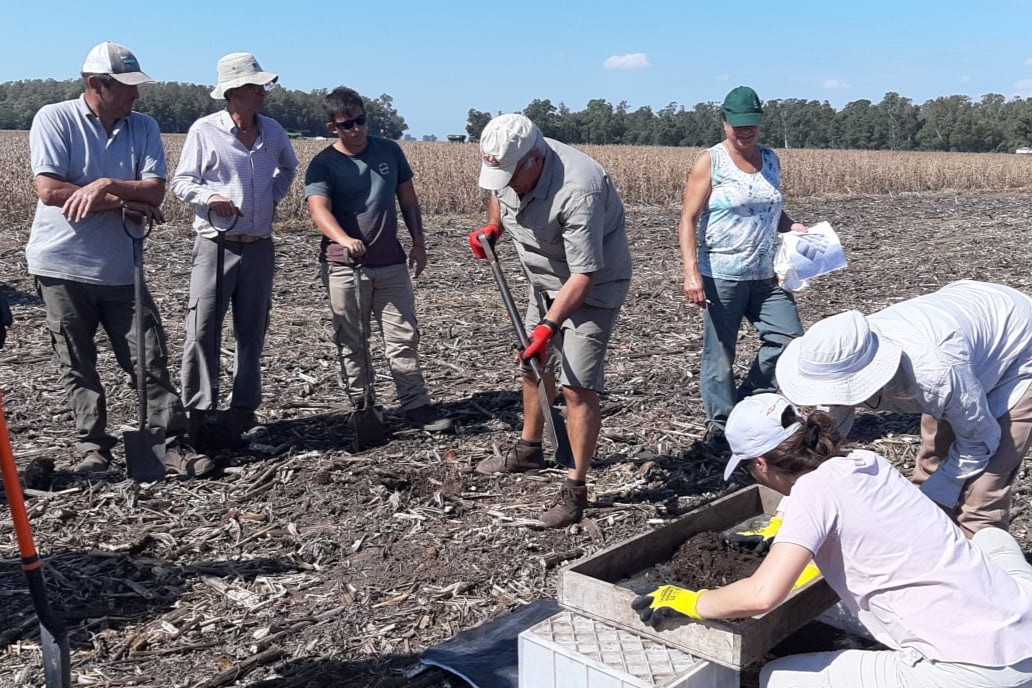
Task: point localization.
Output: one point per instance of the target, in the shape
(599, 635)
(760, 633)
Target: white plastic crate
(572, 651)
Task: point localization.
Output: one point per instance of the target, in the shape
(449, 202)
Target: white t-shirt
(907, 571)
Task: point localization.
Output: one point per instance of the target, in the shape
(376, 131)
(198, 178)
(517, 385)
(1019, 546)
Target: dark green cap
(742, 108)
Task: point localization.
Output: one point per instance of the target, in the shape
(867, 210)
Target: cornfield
(446, 174)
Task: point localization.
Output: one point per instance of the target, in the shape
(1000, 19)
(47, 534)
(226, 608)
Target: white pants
(890, 668)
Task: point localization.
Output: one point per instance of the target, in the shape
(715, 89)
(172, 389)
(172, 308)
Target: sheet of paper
(817, 251)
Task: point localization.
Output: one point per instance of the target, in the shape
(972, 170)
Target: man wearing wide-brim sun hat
(961, 357)
(237, 164)
(240, 69)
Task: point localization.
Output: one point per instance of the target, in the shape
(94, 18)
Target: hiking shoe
(520, 458)
(181, 459)
(568, 507)
(715, 441)
(94, 461)
(427, 418)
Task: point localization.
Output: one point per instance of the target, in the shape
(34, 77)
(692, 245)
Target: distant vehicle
(457, 138)
(1025, 150)
(293, 134)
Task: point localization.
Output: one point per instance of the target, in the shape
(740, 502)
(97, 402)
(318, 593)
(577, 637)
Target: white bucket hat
(754, 427)
(505, 141)
(840, 361)
(239, 69)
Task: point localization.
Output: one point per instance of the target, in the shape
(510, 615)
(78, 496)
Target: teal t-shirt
(363, 198)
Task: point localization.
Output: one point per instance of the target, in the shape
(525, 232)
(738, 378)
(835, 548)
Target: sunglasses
(350, 123)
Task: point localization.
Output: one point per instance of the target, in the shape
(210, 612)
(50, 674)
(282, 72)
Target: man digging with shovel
(96, 162)
(567, 223)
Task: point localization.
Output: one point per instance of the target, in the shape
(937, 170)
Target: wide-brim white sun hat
(239, 69)
(755, 426)
(840, 361)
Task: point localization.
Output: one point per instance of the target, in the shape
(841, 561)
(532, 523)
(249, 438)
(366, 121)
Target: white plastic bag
(802, 256)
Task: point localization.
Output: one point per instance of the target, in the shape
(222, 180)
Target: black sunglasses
(349, 123)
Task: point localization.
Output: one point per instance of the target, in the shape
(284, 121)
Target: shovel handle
(221, 230)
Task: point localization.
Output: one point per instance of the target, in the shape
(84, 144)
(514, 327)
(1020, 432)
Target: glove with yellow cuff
(809, 573)
(667, 602)
(758, 540)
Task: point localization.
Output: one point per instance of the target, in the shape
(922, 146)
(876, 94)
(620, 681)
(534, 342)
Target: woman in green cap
(732, 211)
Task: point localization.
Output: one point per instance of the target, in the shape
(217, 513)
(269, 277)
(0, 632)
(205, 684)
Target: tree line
(177, 105)
(949, 123)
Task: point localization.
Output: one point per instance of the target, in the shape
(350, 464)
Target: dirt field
(307, 565)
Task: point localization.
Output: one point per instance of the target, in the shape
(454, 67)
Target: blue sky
(439, 59)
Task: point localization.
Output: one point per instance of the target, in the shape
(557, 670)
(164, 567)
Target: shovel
(367, 420)
(57, 668)
(212, 429)
(555, 425)
(144, 447)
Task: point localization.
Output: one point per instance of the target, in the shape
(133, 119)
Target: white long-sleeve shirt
(214, 161)
(967, 359)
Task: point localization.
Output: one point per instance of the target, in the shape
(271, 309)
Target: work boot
(427, 418)
(520, 458)
(715, 442)
(181, 459)
(94, 461)
(568, 508)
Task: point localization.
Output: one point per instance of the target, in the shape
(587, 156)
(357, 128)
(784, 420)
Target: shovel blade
(367, 424)
(145, 454)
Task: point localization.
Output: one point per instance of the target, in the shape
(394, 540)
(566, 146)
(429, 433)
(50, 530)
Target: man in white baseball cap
(961, 357)
(567, 222)
(94, 159)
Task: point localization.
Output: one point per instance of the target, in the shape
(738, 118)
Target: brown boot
(520, 458)
(569, 507)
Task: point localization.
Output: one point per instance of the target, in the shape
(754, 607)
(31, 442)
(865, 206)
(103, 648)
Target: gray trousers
(74, 312)
(386, 294)
(247, 286)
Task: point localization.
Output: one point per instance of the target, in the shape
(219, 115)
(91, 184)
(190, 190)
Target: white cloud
(1028, 60)
(1023, 88)
(629, 61)
(964, 79)
(836, 84)
(722, 77)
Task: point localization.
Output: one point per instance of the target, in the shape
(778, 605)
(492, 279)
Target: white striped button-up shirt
(214, 161)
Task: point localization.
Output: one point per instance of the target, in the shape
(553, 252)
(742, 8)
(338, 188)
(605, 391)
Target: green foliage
(176, 106)
(475, 123)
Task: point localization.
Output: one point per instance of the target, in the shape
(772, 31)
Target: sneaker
(568, 508)
(427, 418)
(715, 441)
(520, 458)
(181, 459)
(94, 461)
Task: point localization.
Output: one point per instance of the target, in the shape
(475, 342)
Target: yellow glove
(667, 602)
(809, 573)
(758, 540)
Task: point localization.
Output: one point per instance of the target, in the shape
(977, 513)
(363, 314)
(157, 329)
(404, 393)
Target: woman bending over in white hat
(952, 611)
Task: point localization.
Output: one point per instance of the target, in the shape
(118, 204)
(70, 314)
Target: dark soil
(707, 561)
(306, 564)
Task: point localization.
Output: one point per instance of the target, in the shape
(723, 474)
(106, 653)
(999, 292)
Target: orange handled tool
(53, 637)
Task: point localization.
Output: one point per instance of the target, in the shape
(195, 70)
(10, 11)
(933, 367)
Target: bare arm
(760, 592)
(494, 211)
(79, 202)
(696, 194)
(409, 204)
(320, 208)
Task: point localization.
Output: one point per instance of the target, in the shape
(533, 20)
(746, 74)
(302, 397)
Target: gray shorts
(578, 350)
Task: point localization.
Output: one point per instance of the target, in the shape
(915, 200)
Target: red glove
(537, 343)
(492, 232)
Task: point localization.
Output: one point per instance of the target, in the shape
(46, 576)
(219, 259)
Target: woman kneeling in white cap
(952, 611)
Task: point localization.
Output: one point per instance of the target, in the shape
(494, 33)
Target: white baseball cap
(755, 426)
(505, 141)
(840, 361)
(116, 60)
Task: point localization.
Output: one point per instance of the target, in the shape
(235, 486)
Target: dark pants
(74, 311)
